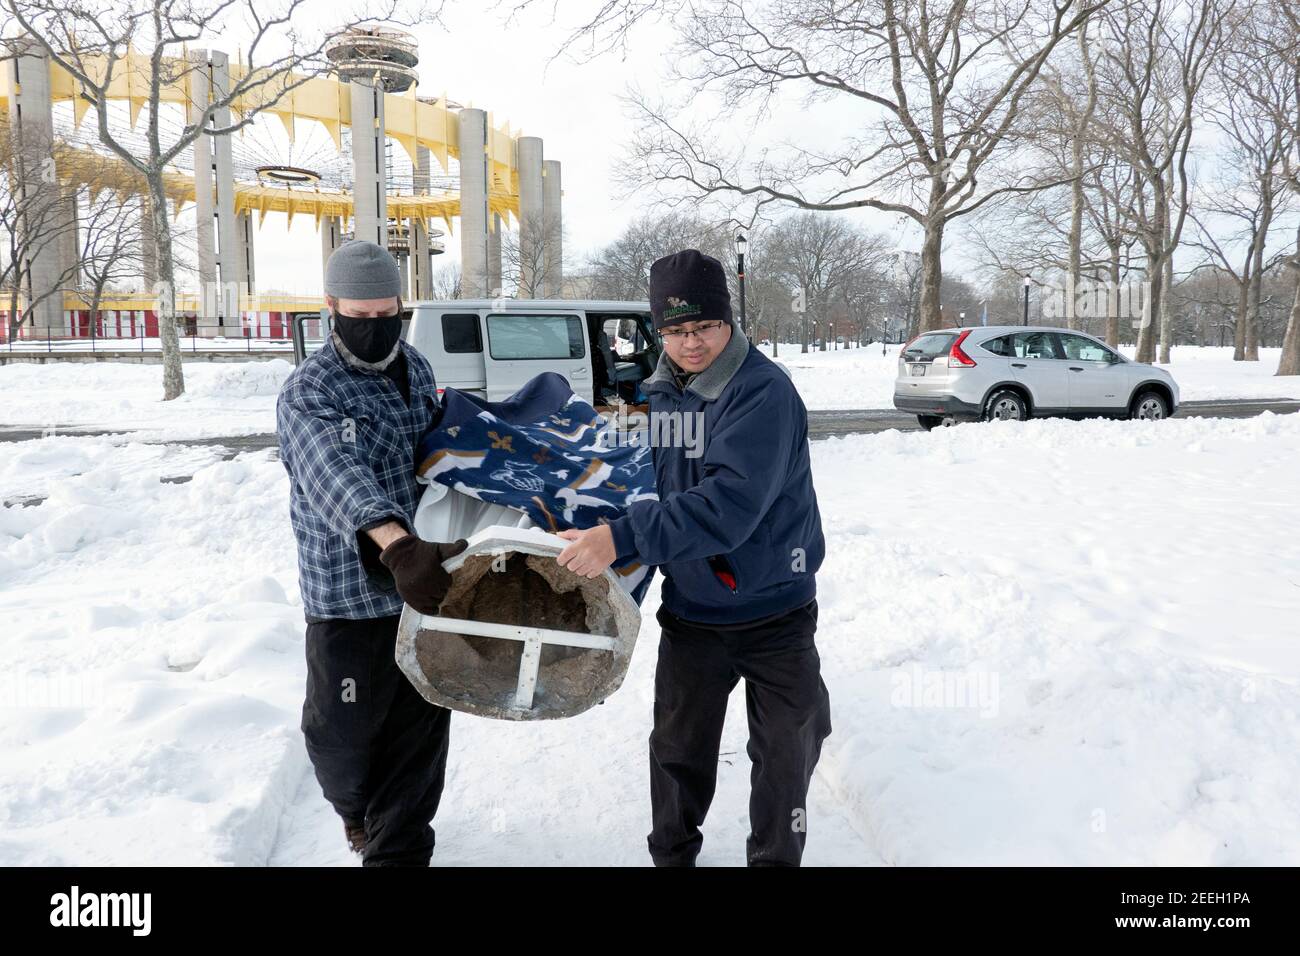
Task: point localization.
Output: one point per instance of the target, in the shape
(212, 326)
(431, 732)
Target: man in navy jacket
(737, 535)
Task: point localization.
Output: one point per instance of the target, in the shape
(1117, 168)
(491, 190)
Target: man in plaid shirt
(349, 421)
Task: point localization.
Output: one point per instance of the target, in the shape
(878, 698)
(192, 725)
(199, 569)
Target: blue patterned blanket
(543, 451)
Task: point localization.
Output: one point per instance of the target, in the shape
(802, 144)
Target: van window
(460, 333)
(517, 336)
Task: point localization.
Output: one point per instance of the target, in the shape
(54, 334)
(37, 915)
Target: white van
(493, 346)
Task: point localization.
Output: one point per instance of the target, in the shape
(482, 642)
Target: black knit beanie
(688, 286)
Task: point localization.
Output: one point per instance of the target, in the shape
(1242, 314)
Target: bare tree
(942, 96)
(36, 219)
(110, 251)
(97, 43)
(621, 270)
(1156, 56)
(444, 281)
(1062, 115)
(814, 255)
(525, 254)
(1282, 46)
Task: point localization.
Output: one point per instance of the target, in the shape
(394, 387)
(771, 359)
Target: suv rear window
(930, 346)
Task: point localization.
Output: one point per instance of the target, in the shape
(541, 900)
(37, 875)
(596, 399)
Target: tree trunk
(1257, 271)
(1112, 301)
(1167, 311)
(1252, 314)
(931, 315)
(1290, 362)
(165, 300)
(1076, 235)
(1146, 339)
(1243, 306)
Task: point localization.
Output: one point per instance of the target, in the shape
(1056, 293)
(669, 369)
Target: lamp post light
(740, 276)
(1026, 299)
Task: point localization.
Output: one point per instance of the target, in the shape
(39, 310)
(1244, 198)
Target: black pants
(378, 747)
(789, 717)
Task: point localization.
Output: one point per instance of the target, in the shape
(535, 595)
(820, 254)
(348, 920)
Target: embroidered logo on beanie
(677, 308)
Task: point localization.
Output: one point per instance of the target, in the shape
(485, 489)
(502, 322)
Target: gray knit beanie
(360, 269)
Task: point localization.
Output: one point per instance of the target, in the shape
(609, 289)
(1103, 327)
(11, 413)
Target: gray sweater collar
(350, 358)
(709, 383)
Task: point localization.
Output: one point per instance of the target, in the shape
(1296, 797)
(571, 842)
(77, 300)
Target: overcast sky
(574, 107)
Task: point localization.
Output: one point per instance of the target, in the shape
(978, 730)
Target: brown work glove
(417, 570)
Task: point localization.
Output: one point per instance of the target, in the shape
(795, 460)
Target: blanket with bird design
(543, 451)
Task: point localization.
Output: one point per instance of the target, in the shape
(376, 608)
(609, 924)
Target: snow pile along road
(221, 398)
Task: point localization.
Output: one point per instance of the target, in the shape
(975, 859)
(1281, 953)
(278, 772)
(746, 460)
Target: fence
(118, 330)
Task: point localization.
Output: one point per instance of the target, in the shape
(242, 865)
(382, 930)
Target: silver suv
(1016, 371)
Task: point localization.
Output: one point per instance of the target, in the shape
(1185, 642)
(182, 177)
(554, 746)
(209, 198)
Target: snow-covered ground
(1045, 642)
(864, 378)
(221, 398)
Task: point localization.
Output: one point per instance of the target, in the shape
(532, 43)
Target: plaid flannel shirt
(348, 441)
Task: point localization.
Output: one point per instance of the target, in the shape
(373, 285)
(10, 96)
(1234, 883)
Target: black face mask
(369, 339)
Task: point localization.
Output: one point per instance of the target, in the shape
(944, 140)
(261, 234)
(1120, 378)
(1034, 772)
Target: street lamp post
(740, 277)
(1026, 299)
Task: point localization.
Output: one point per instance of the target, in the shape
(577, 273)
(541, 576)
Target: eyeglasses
(700, 331)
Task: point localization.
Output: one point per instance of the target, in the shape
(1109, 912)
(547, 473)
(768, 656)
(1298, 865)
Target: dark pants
(379, 748)
(789, 717)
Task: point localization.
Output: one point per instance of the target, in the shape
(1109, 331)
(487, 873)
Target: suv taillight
(956, 357)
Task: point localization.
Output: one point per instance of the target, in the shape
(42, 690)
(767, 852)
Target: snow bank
(154, 658)
(221, 398)
(1066, 643)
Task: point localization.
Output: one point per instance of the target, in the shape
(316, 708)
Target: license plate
(917, 369)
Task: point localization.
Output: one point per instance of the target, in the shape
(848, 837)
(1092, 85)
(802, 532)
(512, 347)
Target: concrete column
(404, 270)
(418, 229)
(531, 212)
(245, 274)
(369, 167)
(36, 189)
(494, 256)
(331, 237)
(230, 252)
(473, 203)
(69, 244)
(553, 248)
(421, 262)
(205, 204)
(422, 178)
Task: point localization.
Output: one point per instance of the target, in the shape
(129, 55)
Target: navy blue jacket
(747, 502)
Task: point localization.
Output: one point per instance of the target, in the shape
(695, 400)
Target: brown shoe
(356, 834)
